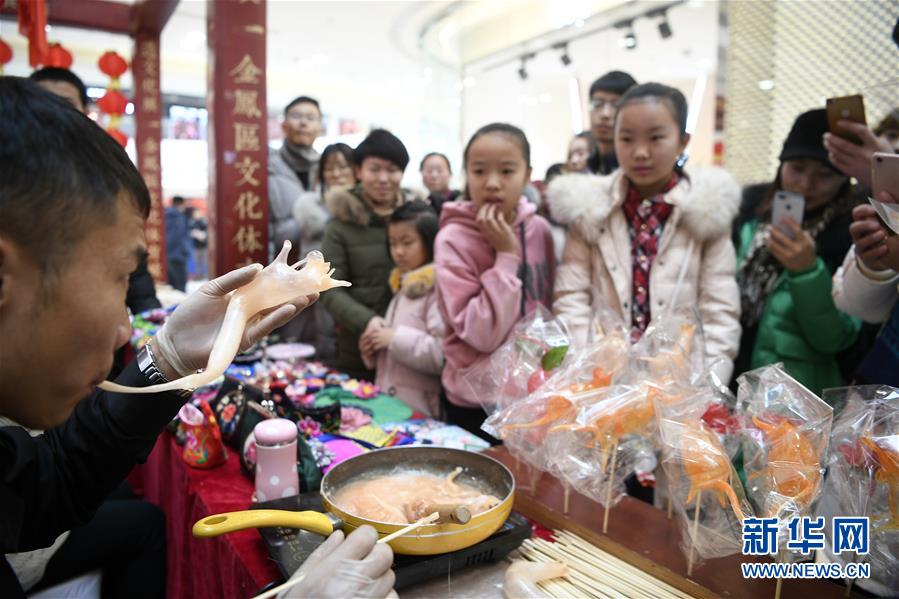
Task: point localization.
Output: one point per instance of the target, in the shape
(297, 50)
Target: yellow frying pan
(480, 471)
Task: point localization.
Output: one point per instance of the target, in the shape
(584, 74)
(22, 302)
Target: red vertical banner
(148, 114)
(238, 136)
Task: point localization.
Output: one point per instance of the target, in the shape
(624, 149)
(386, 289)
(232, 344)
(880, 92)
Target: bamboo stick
(567, 493)
(281, 587)
(694, 533)
(605, 517)
(593, 572)
(415, 525)
(779, 580)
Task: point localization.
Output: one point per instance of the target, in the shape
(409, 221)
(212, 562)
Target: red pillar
(238, 138)
(148, 112)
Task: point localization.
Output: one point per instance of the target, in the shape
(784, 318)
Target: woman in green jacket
(355, 242)
(788, 314)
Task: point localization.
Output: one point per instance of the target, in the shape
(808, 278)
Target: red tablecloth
(234, 565)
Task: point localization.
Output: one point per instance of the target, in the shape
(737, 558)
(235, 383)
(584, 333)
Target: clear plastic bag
(702, 482)
(594, 367)
(605, 443)
(785, 432)
(863, 475)
(535, 349)
(671, 349)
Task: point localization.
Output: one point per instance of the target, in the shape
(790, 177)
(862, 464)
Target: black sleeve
(55, 481)
(141, 290)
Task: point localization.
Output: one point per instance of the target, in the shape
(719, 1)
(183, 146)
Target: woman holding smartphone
(785, 267)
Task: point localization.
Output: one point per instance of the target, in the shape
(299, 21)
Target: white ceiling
(328, 49)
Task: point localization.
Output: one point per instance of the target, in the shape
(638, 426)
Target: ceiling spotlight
(565, 58)
(664, 26)
(629, 39)
(665, 29)
(522, 70)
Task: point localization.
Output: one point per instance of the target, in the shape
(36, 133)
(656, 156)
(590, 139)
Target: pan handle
(213, 526)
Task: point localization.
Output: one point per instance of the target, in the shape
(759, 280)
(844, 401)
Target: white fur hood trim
(708, 204)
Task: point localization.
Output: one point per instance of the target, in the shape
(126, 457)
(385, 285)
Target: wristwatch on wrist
(146, 363)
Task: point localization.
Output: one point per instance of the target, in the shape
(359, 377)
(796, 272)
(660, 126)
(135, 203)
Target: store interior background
(433, 72)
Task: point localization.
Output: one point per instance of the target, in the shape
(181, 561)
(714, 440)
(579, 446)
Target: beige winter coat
(695, 247)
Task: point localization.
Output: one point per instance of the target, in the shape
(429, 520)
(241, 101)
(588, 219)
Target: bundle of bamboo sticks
(593, 572)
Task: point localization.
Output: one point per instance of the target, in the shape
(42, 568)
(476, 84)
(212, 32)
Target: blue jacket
(178, 244)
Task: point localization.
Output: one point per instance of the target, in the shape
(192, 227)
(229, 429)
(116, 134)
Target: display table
(235, 565)
(643, 536)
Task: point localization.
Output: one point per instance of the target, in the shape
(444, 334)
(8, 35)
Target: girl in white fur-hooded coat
(650, 233)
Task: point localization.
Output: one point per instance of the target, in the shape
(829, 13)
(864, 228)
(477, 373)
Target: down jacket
(695, 247)
(482, 293)
(355, 243)
(409, 368)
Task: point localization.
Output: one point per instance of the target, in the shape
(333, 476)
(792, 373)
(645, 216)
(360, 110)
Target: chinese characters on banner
(147, 111)
(238, 141)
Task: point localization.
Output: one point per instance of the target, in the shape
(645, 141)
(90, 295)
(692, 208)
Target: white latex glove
(186, 338)
(341, 569)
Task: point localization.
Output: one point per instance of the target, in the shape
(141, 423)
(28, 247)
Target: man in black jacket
(72, 211)
(604, 95)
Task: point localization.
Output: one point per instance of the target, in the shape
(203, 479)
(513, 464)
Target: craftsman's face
(58, 337)
(64, 90)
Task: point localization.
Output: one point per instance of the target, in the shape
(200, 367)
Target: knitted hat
(805, 140)
(616, 82)
(381, 143)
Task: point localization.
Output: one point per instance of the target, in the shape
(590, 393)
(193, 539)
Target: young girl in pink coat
(406, 346)
(495, 262)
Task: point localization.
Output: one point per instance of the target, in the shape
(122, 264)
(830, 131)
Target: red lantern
(5, 54)
(57, 56)
(112, 65)
(113, 103)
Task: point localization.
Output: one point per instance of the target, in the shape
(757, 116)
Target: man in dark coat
(62, 315)
(604, 95)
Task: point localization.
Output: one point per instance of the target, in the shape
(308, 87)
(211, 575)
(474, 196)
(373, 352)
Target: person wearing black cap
(604, 95)
(355, 242)
(785, 272)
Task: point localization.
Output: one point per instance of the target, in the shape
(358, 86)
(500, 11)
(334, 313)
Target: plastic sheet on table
(863, 475)
(786, 429)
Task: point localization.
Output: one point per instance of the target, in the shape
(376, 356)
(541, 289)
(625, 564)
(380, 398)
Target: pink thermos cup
(276, 459)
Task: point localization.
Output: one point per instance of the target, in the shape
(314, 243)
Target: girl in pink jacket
(406, 346)
(495, 262)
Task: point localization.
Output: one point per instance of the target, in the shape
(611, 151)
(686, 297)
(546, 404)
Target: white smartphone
(885, 174)
(787, 205)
